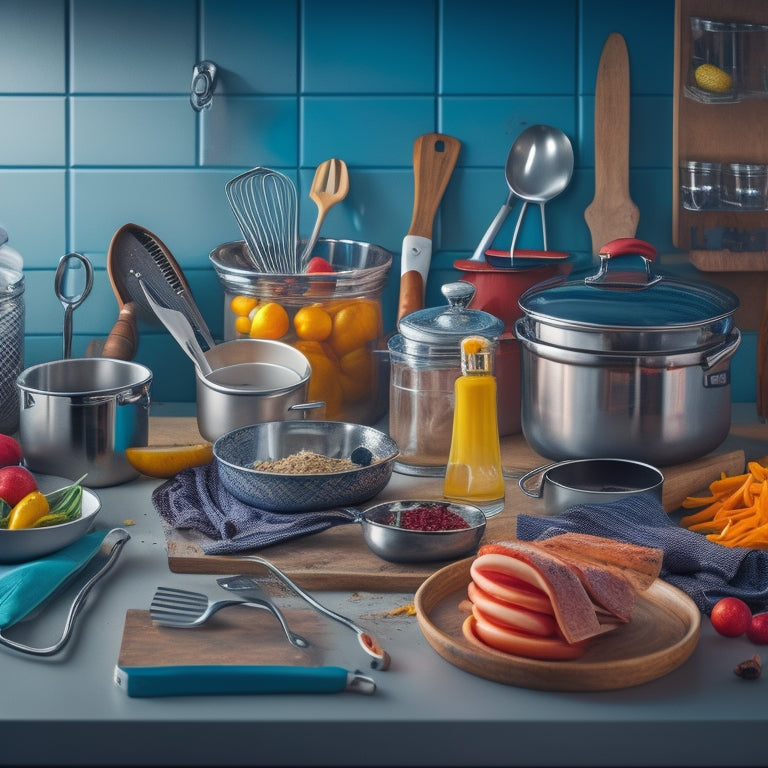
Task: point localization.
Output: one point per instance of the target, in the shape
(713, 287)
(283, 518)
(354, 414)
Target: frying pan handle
(123, 339)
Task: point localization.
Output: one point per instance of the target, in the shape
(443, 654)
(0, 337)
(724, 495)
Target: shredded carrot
(736, 512)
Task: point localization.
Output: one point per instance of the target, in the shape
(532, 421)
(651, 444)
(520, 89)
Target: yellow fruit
(242, 305)
(28, 511)
(168, 460)
(269, 322)
(312, 323)
(324, 385)
(243, 325)
(711, 78)
(355, 325)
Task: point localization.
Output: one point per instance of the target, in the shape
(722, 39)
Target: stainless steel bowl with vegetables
(367, 455)
(53, 516)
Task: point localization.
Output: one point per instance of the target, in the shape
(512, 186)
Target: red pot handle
(628, 245)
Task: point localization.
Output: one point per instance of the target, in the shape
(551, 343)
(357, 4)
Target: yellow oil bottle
(474, 471)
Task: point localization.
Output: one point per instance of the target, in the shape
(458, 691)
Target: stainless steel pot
(590, 481)
(78, 416)
(626, 363)
(251, 381)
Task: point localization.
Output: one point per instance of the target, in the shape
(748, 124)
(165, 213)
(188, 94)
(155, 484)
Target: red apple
(758, 629)
(15, 483)
(731, 617)
(10, 451)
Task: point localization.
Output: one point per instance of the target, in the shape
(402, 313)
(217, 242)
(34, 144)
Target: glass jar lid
(447, 326)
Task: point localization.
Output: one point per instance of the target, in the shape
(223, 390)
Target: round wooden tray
(663, 633)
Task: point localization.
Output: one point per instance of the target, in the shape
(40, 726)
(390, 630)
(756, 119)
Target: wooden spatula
(612, 214)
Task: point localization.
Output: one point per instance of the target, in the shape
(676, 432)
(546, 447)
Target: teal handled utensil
(195, 680)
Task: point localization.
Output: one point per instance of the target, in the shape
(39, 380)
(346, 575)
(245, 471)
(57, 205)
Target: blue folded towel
(195, 499)
(702, 569)
(24, 586)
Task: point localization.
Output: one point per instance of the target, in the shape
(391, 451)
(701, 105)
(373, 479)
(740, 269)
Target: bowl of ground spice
(422, 531)
(303, 465)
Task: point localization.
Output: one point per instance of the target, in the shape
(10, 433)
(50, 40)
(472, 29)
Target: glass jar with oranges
(333, 317)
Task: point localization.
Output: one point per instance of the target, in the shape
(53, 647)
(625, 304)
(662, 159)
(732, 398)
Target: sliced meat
(574, 610)
(639, 565)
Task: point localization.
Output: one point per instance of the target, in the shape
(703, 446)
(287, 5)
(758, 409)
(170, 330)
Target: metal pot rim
(143, 377)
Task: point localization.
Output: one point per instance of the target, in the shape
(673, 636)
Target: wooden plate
(663, 633)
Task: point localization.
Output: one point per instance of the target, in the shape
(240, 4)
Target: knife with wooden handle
(434, 158)
(612, 214)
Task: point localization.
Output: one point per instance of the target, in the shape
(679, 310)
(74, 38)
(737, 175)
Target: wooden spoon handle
(434, 158)
(123, 339)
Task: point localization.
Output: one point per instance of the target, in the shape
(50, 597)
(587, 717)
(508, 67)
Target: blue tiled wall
(97, 131)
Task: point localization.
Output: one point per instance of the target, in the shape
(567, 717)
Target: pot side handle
(525, 481)
(723, 352)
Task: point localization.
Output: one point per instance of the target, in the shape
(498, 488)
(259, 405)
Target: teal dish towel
(24, 586)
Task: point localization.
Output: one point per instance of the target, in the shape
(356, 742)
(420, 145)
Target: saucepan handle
(526, 481)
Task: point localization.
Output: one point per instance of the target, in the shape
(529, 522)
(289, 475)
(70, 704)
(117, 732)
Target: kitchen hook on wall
(203, 85)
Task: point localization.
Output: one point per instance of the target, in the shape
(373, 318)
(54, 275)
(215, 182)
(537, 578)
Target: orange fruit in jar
(312, 323)
(324, 385)
(356, 374)
(270, 321)
(243, 324)
(242, 305)
(355, 325)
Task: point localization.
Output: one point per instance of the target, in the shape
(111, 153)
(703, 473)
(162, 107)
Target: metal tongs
(243, 584)
(110, 550)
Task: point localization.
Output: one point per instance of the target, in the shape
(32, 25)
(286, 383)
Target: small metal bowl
(389, 541)
(236, 452)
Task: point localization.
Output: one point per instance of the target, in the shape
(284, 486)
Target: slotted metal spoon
(181, 608)
(264, 204)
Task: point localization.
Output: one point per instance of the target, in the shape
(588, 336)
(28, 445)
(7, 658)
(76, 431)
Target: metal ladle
(73, 282)
(539, 167)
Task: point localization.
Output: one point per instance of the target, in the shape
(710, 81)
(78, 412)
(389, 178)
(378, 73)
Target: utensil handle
(193, 680)
(123, 339)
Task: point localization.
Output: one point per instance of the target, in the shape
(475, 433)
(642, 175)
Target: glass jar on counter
(334, 318)
(700, 185)
(425, 361)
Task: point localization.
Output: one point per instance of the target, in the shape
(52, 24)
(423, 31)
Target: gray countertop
(67, 710)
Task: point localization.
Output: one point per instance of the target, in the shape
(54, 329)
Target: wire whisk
(265, 206)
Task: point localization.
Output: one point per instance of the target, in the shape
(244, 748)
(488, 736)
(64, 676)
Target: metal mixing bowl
(385, 537)
(236, 452)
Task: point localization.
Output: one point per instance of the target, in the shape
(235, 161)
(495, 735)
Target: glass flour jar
(425, 361)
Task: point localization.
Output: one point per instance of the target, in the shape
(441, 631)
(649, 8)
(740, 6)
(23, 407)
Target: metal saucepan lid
(621, 298)
(447, 326)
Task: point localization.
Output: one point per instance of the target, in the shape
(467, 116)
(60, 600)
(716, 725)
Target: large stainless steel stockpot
(626, 363)
(77, 417)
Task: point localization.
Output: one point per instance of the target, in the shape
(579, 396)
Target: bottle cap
(476, 355)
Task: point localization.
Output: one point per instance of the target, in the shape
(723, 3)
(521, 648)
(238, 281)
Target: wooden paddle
(612, 214)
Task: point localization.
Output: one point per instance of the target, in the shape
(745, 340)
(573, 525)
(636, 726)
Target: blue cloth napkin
(702, 569)
(195, 499)
(24, 586)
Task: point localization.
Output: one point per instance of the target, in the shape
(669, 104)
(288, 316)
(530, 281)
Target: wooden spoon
(330, 186)
(612, 214)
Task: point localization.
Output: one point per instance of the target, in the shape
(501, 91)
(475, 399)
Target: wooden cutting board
(339, 559)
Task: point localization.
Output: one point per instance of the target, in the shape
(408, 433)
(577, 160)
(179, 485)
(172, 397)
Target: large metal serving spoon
(539, 167)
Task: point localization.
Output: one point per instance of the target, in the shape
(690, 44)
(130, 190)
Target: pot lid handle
(625, 279)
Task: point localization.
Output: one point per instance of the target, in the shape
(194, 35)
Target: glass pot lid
(622, 296)
(447, 326)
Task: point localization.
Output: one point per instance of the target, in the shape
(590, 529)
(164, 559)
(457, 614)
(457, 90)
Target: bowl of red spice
(418, 531)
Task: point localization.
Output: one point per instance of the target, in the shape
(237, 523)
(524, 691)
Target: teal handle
(190, 680)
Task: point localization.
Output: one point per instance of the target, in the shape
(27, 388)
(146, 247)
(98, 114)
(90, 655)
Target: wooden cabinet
(721, 128)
